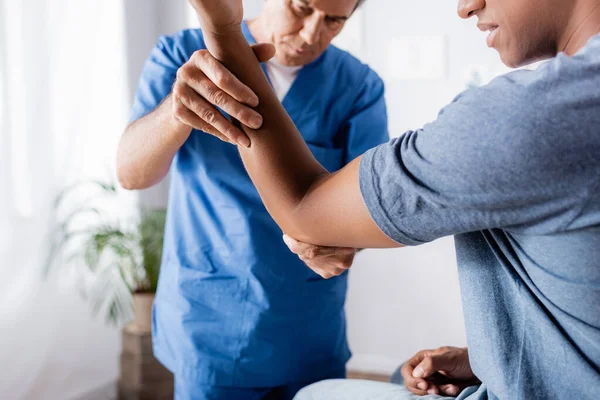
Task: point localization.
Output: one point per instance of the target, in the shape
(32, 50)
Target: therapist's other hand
(203, 84)
(443, 371)
(325, 261)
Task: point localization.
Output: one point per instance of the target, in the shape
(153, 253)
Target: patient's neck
(584, 24)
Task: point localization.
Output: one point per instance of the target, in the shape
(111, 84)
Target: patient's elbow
(298, 228)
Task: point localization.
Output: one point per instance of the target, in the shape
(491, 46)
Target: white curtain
(67, 72)
(63, 104)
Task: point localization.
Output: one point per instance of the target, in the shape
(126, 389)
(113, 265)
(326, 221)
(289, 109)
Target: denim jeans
(356, 389)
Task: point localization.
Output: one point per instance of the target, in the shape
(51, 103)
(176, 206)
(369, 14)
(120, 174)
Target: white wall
(65, 93)
(50, 346)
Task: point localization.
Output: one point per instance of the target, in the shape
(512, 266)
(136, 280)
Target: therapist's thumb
(263, 51)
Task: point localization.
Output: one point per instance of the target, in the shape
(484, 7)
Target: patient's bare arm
(307, 202)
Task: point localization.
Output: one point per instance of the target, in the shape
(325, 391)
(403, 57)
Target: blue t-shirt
(511, 169)
(234, 306)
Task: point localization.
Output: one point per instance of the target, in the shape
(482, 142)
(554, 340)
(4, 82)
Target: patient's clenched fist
(325, 261)
(444, 371)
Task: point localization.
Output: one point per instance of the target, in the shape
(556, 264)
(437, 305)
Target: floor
(368, 376)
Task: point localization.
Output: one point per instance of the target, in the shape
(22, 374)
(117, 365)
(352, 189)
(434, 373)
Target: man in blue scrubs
(237, 315)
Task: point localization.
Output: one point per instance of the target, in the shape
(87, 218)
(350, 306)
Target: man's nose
(311, 30)
(468, 8)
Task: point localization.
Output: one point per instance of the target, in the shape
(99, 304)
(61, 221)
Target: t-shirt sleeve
(492, 159)
(367, 126)
(158, 76)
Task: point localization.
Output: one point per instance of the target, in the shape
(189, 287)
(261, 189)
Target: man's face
(522, 31)
(301, 30)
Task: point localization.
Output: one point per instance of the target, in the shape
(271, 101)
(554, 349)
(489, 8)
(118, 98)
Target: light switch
(417, 57)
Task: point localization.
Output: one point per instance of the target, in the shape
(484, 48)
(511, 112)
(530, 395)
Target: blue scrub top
(234, 306)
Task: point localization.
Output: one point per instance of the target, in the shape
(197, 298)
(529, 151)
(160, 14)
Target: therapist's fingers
(197, 80)
(300, 248)
(325, 261)
(214, 83)
(332, 265)
(310, 251)
(184, 114)
(189, 118)
(328, 273)
(223, 78)
(337, 261)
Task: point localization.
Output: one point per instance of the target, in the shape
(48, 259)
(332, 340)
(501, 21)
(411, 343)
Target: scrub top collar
(251, 40)
(299, 97)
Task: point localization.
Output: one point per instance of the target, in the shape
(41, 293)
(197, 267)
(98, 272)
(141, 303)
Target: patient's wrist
(222, 42)
(220, 31)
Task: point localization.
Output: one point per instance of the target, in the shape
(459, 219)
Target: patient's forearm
(279, 162)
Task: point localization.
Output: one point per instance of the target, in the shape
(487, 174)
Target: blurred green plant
(114, 258)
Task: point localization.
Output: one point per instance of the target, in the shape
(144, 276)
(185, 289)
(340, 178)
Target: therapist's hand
(443, 371)
(203, 84)
(325, 261)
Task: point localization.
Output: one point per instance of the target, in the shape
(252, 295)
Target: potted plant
(115, 260)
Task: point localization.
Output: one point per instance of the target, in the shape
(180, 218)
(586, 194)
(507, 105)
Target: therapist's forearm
(147, 147)
(278, 161)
